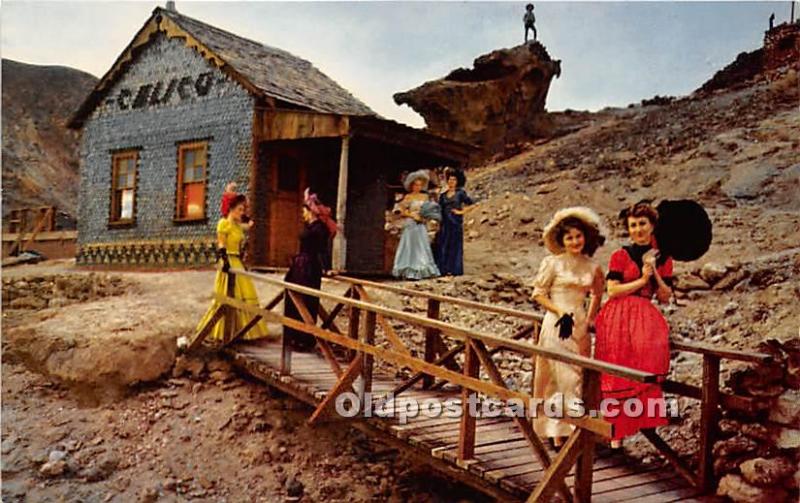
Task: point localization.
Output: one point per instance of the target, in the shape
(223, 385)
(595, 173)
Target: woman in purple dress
(308, 266)
(455, 203)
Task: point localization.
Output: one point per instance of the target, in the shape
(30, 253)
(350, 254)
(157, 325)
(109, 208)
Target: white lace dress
(567, 280)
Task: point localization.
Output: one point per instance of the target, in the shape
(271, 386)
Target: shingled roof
(261, 69)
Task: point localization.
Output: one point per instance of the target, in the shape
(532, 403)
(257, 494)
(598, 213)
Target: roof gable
(262, 70)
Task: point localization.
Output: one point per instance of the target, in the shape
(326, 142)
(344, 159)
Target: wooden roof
(264, 71)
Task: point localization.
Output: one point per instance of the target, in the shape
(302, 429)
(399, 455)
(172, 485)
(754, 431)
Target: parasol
(683, 231)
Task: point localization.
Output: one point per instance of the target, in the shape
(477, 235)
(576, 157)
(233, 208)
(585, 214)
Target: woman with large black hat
(631, 331)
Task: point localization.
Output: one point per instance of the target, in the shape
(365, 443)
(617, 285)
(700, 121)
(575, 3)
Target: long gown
(450, 240)
(566, 280)
(632, 332)
(306, 269)
(243, 289)
(414, 256)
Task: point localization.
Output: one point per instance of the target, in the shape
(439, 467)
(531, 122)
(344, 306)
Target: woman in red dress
(631, 331)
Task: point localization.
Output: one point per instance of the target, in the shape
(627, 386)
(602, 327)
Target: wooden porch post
(340, 241)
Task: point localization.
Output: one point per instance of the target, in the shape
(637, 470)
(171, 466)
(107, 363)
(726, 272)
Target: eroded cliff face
(498, 102)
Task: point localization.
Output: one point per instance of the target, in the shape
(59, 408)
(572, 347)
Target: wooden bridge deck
(503, 466)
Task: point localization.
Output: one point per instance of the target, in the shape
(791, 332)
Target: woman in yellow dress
(230, 234)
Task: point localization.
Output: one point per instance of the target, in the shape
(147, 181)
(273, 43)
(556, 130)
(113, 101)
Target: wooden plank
(638, 486)
(482, 445)
(596, 425)
(668, 496)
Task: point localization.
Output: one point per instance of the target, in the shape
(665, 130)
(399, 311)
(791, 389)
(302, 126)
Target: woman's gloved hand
(222, 254)
(565, 324)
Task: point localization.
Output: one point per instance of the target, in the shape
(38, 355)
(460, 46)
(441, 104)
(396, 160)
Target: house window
(123, 186)
(192, 171)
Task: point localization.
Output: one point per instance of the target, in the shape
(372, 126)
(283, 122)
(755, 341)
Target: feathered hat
(414, 175)
(322, 212)
(582, 213)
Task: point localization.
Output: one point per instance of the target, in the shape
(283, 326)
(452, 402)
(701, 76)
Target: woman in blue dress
(414, 256)
(454, 202)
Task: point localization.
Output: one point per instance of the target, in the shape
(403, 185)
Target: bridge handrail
(676, 344)
(525, 315)
(463, 333)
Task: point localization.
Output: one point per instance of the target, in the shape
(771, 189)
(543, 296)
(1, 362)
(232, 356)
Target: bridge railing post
(368, 359)
(709, 416)
(354, 322)
(286, 346)
(431, 340)
(466, 434)
(230, 312)
(585, 464)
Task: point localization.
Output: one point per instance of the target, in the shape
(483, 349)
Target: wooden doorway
(288, 172)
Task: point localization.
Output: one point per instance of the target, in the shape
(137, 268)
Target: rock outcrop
(500, 101)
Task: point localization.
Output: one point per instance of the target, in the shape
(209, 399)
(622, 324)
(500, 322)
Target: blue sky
(613, 53)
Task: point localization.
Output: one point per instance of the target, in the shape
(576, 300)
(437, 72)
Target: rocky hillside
(40, 155)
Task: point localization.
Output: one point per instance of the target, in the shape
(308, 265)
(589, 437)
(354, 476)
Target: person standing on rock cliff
(529, 19)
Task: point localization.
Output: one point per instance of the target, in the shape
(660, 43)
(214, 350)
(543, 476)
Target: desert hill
(40, 155)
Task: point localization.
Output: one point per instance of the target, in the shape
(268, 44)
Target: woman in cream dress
(564, 282)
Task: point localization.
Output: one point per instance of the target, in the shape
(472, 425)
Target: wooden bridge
(361, 352)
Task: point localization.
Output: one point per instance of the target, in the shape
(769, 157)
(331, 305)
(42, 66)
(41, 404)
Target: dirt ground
(208, 435)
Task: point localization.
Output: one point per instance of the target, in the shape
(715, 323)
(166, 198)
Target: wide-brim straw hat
(414, 175)
(582, 213)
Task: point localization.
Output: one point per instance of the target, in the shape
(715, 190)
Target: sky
(613, 53)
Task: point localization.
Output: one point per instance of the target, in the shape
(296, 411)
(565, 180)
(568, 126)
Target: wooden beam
(208, 327)
(585, 465)
(369, 339)
(308, 318)
(466, 432)
(523, 423)
(726, 400)
(670, 455)
(255, 319)
(558, 470)
(709, 416)
(345, 382)
(431, 342)
(388, 330)
(340, 241)
(296, 124)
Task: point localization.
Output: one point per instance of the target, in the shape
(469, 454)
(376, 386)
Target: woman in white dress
(565, 280)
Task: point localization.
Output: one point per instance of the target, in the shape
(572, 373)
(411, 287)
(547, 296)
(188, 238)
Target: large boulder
(739, 490)
(498, 102)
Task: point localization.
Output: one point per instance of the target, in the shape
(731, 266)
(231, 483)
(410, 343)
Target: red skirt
(633, 333)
